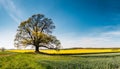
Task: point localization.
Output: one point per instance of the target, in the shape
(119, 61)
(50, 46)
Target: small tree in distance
(36, 31)
(2, 49)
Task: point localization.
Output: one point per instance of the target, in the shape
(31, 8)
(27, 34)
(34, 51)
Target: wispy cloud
(103, 39)
(13, 11)
(7, 41)
(16, 14)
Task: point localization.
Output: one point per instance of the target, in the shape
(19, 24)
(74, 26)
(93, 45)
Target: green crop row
(41, 61)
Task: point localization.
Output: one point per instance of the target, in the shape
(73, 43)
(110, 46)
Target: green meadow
(11, 60)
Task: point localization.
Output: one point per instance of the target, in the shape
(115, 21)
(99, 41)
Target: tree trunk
(37, 49)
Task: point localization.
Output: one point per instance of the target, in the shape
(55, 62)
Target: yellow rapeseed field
(72, 51)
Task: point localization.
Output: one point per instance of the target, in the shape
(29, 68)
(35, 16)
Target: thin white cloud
(115, 33)
(104, 39)
(7, 39)
(7, 36)
(13, 11)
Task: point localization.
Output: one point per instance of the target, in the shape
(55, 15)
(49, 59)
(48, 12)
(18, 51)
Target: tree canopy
(36, 31)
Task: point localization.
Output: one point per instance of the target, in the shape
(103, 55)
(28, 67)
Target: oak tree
(36, 31)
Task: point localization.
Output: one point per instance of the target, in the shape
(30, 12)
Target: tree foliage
(36, 31)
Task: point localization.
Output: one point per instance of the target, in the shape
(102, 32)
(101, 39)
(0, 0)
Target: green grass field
(10, 60)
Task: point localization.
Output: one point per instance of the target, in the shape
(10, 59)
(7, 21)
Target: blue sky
(79, 23)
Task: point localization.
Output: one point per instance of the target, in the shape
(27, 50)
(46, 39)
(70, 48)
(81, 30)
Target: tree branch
(47, 47)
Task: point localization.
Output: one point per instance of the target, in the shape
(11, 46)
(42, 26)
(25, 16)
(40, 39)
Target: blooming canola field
(73, 51)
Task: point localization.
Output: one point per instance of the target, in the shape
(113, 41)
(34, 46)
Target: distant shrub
(2, 49)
